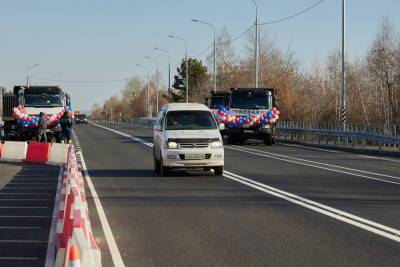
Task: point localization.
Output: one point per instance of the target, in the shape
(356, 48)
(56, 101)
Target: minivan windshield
(190, 120)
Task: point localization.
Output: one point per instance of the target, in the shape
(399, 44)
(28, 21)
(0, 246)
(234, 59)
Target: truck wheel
(268, 139)
(231, 139)
(219, 170)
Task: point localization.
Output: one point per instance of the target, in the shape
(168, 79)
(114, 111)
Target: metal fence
(354, 135)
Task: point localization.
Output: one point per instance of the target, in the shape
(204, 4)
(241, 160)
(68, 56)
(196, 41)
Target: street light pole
(187, 65)
(27, 73)
(155, 60)
(256, 45)
(169, 65)
(215, 51)
(149, 113)
(343, 109)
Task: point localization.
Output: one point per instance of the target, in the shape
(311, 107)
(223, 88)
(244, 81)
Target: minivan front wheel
(157, 167)
(164, 170)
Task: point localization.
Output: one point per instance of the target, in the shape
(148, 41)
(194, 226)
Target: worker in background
(66, 127)
(42, 127)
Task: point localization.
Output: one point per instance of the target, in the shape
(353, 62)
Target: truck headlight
(172, 145)
(217, 144)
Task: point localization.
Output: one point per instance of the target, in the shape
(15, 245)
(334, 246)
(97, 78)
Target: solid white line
(315, 166)
(317, 162)
(51, 247)
(339, 215)
(310, 148)
(343, 152)
(362, 223)
(112, 245)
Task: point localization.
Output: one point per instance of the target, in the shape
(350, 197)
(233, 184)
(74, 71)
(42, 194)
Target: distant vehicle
(22, 106)
(217, 100)
(186, 136)
(81, 118)
(248, 113)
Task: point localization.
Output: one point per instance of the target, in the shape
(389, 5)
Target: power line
(294, 15)
(83, 81)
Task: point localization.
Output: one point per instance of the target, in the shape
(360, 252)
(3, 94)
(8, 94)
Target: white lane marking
(51, 245)
(343, 152)
(368, 225)
(310, 148)
(266, 155)
(317, 162)
(346, 217)
(126, 135)
(112, 245)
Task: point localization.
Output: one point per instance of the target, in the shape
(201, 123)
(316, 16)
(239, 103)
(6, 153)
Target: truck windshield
(249, 101)
(43, 100)
(217, 101)
(190, 120)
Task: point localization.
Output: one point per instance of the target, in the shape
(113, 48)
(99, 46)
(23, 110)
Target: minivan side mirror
(157, 127)
(221, 126)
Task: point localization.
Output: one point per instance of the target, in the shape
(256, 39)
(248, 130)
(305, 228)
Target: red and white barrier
(73, 223)
(34, 152)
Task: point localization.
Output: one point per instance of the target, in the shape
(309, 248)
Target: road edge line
(112, 244)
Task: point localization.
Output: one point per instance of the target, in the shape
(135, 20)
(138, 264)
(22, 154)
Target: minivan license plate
(194, 156)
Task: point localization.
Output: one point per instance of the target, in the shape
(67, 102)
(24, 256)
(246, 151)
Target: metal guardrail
(338, 137)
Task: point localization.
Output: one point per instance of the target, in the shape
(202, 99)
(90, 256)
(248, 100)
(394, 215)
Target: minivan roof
(185, 106)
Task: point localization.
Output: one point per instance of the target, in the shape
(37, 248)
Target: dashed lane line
(370, 226)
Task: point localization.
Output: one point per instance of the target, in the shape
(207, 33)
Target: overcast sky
(79, 40)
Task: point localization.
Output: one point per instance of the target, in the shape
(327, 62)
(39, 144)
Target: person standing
(66, 127)
(42, 127)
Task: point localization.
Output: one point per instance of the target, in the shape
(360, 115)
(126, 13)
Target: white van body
(187, 136)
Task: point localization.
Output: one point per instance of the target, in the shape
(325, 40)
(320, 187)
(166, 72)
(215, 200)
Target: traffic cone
(73, 259)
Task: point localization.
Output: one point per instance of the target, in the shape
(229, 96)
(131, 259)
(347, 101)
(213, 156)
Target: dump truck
(22, 106)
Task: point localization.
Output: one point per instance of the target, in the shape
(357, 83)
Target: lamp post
(27, 72)
(149, 113)
(256, 45)
(169, 65)
(215, 51)
(187, 64)
(155, 60)
(343, 108)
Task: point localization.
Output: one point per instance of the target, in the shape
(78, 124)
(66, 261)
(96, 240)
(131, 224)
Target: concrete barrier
(59, 154)
(73, 222)
(14, 151)
(38, 153)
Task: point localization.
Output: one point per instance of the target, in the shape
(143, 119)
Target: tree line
(311, 95)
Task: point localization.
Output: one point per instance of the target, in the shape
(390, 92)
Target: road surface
(283, 205)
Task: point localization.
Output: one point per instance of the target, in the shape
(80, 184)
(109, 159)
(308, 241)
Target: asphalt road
(196, 219)
(27, 194)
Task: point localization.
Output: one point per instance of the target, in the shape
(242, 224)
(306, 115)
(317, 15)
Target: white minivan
(186, 136)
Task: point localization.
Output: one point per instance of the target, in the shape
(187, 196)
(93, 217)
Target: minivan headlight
(172, 145)
(217, 144)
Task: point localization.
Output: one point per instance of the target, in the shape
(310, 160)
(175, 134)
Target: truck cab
(251, 104)
(50, 100)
